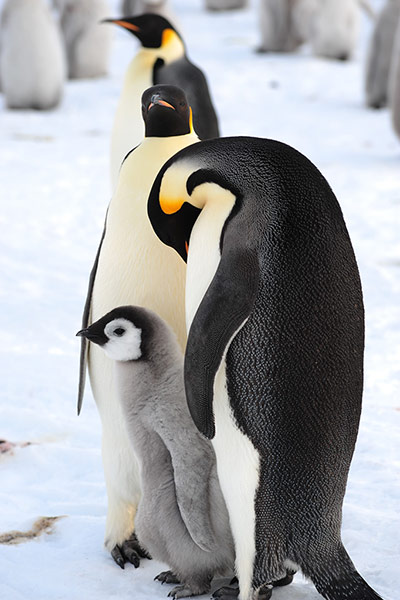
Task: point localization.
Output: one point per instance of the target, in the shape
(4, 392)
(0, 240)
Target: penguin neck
(170, 51)
(206, 233)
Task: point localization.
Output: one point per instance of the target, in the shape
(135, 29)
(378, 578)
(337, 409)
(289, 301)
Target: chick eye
(119, 331)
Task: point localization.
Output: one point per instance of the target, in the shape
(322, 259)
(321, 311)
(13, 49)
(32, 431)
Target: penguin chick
(87, 42)
(394, 83)
(133, 267)
(181, 518)
(380, 55)
(136, 7)
(276, 26)
(335, 27)
(225, 4)
(274, 358)
(161, 59)
(32, 61)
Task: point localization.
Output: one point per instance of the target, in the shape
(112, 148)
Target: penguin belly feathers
(274, 358)
(32, 61)
(160, 60)
(182, 518)
(133, 266)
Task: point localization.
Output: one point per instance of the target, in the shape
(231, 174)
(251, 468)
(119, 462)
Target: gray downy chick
(177, 464)
(32, 63)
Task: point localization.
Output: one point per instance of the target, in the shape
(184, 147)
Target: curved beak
(122, 23)
(157, 99)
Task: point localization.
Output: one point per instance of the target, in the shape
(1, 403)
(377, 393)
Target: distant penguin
(225, 4)
(182, 518)
(87, 41)
(335, 29)
(137, 7)
(380, 54)
(274, 358)
(276, 26)
(32, 61)
(133, 267)
(394, 83)
(161, 59)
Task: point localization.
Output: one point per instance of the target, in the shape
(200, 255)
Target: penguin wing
(191, 79)
(192, 461)
(85, 323)
(222, 312)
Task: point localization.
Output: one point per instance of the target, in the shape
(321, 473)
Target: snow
(54, 174)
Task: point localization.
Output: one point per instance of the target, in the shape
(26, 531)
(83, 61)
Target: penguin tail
(340, 580)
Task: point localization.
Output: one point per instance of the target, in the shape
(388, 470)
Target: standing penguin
(394, 83)
(276, 24)
(137, 7)
(274, 358)
(182, 518)
(335, 28)
(225, 4)
(133, 266)
(380, 55)
(87, 43)
(161, 59)
(32, 61)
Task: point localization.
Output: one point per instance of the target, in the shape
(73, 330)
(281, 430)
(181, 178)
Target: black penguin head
(166, 111)
(124, 333)
(152, 30)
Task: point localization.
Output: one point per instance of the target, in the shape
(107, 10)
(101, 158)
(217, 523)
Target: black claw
(284, 581)
(116, 553)
(228, 591)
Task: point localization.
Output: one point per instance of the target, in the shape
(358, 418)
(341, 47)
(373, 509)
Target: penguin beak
(156, 99)
(122, 23)
(90, 335)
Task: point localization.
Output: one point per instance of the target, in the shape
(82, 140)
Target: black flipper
(222, 312)
(85, 323)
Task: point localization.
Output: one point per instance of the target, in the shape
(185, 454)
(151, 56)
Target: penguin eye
(119, 331)
(182, 103)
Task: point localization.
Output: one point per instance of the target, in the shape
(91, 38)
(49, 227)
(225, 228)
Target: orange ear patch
(167, 36)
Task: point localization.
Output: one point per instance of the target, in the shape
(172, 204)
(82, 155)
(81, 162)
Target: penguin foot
(167, 577)
(285, 580)
(226, 592)
(129, 551)
(186, 590)
(265, 592)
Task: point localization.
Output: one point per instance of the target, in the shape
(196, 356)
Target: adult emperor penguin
(182, 518)
(32, 61)
(161, 59)
(133, 266)
(380, 55)
(87, 42)
(274, 359)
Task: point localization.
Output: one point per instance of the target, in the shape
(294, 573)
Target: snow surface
(54, 174)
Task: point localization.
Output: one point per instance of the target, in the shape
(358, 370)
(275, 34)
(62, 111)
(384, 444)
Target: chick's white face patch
(124, 340)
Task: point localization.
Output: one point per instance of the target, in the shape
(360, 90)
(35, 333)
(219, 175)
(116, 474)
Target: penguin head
(166, 111)
(123, 333)
(183, 188)
(152, 30)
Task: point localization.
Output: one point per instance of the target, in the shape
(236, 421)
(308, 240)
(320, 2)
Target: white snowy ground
(54, 191)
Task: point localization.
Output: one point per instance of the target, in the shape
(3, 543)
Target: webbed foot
(186, 590)
(129, 551)
(285, 580)
(226, 592)
(167, 577)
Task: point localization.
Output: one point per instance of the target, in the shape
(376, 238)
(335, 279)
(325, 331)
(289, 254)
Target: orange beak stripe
(164, 103)
(187, 247)
(127, 25)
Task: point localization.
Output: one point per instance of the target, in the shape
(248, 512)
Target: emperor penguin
(133, 266)
(161, 59)
(87, 42)
(380, 55)
(32, 60)
(274, 359)
(182, 518)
